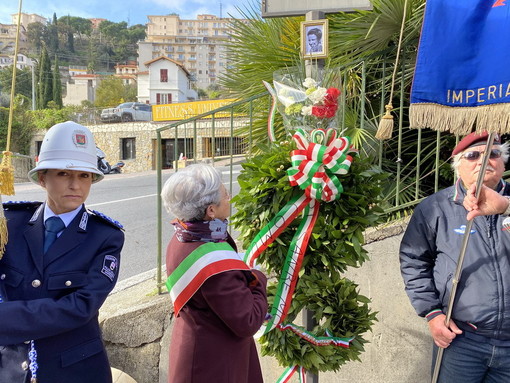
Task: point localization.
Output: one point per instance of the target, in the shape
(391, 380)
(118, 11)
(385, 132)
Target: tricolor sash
(207, 260)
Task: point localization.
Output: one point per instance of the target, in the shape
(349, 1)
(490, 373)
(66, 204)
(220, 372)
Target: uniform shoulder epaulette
(21, 205)
(105, 218)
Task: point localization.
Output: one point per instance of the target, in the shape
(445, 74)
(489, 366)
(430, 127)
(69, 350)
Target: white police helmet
(70, 146)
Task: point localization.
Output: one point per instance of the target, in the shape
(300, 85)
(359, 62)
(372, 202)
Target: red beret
(474, 139)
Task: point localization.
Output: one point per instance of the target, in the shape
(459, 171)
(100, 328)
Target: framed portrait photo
(314, 39)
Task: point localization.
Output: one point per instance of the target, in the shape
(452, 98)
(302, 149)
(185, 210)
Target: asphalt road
(130, 199)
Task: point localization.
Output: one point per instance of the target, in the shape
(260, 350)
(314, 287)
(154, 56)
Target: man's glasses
(474, 155)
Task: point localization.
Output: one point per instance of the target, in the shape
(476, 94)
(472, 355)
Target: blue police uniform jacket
(54, 298)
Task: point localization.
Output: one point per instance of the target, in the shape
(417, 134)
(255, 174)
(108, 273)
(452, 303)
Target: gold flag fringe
(6, 175)
(4, 235)
(385, 128)
(493, 118)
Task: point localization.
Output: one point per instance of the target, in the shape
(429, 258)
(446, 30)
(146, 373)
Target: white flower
(306, 111)
(318, 95)
(309, 83)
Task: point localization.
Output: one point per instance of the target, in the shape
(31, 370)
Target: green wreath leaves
(335, 244)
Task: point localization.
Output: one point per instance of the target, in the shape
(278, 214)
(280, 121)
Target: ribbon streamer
(314, 170)
(272, 111)
(290, 371)
(316, 340)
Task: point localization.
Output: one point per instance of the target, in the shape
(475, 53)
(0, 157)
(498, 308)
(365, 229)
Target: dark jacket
(54, 298)
(428, 258)
(212, 338)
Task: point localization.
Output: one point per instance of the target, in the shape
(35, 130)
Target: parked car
(127, 111)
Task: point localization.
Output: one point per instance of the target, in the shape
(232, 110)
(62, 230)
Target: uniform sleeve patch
(110, 266)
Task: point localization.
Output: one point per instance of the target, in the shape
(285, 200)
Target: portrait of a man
(314, 39)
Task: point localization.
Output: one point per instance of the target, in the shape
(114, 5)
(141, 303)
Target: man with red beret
(477, 341)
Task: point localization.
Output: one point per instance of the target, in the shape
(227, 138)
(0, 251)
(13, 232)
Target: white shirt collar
(66, 217)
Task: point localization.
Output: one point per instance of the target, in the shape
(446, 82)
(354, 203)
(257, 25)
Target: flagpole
(460, 261)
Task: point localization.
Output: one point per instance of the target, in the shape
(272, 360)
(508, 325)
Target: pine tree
(57, 85)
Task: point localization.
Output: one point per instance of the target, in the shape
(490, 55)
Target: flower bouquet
(304, 102)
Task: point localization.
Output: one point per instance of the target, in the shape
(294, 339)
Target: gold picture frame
(314, 39)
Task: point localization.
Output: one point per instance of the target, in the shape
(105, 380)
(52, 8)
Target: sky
(131, 11)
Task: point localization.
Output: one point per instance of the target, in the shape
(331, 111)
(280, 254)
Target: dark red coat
(212, 338)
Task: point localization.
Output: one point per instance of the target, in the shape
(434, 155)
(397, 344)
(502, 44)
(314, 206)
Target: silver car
(127, 111)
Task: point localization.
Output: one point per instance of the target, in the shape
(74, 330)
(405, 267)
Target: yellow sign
(184, 110)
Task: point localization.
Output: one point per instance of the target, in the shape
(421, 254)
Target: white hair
(188, 192)
(456, 158)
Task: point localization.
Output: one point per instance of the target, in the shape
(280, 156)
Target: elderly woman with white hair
(219, 303)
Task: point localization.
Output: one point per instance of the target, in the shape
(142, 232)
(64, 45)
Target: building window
(128, 148)
(163, 75)
(163, 98)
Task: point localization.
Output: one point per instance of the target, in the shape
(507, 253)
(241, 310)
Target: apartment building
(199, 45)
(8, 38)
(28, 18)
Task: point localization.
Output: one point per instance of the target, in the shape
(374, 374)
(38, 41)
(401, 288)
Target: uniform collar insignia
(84, 220)
(36, 214)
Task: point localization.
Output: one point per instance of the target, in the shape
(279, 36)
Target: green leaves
(335, 244)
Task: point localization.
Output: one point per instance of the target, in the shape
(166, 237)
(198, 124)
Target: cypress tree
(53, 29)
(57, 85)
(45, 80)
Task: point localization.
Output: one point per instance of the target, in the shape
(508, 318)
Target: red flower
(331, 96)
(324, 111)
(328, 110)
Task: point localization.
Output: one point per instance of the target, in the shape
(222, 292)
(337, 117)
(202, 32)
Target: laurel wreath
(335, 245)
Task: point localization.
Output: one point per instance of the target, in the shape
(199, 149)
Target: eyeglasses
(474, 155)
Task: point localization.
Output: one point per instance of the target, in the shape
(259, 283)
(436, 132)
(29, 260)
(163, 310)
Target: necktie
(54, 225)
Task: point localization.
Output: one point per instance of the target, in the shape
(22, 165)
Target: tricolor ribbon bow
(314, 169)
(315, 164)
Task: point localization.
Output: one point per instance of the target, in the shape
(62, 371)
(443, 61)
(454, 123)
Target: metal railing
(223, 139)
(404, 156)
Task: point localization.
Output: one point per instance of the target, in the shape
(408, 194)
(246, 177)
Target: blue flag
(462, 73)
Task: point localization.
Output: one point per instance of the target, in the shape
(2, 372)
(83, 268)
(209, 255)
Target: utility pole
(32, 61)
(312, 67)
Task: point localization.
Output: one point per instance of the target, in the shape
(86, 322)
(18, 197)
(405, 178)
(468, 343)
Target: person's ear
(210, 212)
(42, 179)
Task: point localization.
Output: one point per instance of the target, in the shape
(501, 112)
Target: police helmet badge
(80, 139)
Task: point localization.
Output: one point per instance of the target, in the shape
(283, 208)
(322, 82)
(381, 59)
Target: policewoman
(60, 263)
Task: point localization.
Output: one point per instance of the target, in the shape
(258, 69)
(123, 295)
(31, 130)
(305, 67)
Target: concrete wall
(137, 324)
(109, 136)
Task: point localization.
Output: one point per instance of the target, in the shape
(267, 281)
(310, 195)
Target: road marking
(122, 200)
(132, 198)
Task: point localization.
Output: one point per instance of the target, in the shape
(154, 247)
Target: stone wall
(109, 137)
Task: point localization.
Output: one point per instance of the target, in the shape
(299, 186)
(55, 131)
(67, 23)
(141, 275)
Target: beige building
(8, 38)
(199, 45)
(27, 18)
(127, 73)
(81, 87)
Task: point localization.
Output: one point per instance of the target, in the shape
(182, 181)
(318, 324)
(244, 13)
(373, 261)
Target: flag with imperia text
(462, 73)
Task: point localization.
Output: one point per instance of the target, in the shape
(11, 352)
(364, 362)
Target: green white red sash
(205, 261)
